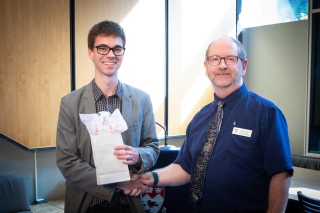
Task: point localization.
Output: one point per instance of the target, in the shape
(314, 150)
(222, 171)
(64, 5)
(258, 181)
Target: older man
(106, 48)
(236, 154)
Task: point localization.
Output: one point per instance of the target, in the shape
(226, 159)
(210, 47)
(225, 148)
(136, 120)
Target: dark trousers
(195, 210)
(120, 208)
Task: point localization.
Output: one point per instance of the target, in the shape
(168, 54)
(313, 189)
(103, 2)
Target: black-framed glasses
(229, 60)
(104, 50)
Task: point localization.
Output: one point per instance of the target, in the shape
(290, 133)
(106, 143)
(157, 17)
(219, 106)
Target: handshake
(138, 184)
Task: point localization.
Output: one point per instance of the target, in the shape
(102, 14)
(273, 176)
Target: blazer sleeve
(74, 166)
(149, 142)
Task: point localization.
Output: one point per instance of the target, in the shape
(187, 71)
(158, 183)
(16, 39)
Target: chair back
(13, 194)
(308, 204)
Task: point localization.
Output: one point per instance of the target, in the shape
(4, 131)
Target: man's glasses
(104, 50)
(229, 60)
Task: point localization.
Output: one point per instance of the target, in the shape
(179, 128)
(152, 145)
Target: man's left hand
(128, 154)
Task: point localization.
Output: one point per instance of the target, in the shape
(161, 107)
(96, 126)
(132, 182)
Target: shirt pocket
(241, 147)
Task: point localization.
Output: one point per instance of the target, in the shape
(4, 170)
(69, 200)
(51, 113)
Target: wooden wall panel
(8, 106)
(28, 110)
(49, 108)
(35, 51)
(2, 36)
(65, 85)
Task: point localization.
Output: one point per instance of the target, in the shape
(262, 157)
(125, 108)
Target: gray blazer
(74, 153)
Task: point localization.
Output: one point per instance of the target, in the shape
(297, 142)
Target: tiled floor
(57, 203)
(56, 206)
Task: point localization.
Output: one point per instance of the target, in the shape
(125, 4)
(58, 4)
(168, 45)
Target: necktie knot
(220, 104)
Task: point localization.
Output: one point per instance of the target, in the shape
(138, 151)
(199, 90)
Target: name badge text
(242, 132)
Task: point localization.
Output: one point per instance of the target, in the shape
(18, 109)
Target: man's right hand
(147, 179)
(134, 187)
(144, 179)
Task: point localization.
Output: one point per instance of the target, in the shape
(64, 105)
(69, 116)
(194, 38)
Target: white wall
(277, 70)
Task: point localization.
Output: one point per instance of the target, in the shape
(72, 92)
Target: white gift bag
(105, 133)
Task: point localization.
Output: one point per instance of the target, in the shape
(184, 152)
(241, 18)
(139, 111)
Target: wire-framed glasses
(104, 50)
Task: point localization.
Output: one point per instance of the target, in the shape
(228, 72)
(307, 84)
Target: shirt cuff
(137, 167)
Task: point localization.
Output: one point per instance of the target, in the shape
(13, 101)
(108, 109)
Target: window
(264, 12)
(193, 25)
(144, 61)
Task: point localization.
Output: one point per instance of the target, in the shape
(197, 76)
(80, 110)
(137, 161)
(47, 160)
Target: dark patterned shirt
(109, 104)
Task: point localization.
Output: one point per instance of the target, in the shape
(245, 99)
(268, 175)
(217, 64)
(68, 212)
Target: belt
(119, 208)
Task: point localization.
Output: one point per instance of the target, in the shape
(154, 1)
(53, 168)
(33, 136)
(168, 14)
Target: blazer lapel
(126, 110)
(126, 104)
(88, 107)
(88, 101)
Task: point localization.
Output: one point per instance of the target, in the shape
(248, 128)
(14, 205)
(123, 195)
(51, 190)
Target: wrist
(138, 164)
(155, 178)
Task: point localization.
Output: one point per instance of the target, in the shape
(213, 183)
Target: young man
(236, 154)
(106, 48)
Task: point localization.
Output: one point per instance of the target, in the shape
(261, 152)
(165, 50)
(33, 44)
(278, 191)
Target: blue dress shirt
(239, 172)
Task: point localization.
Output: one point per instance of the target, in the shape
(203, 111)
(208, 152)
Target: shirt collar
(97, 92)
(231, 99)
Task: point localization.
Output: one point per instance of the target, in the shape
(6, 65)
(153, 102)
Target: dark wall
(16, 160)
(50, 180)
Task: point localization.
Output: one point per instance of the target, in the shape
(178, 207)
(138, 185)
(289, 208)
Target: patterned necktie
(199, 174)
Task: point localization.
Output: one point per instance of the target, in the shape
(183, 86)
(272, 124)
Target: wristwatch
(155, 178)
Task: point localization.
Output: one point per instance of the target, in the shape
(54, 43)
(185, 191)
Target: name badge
(242, 132)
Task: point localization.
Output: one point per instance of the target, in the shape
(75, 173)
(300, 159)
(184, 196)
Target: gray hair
(241, 51)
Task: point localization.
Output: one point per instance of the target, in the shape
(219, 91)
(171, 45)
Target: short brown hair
(105, 28)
